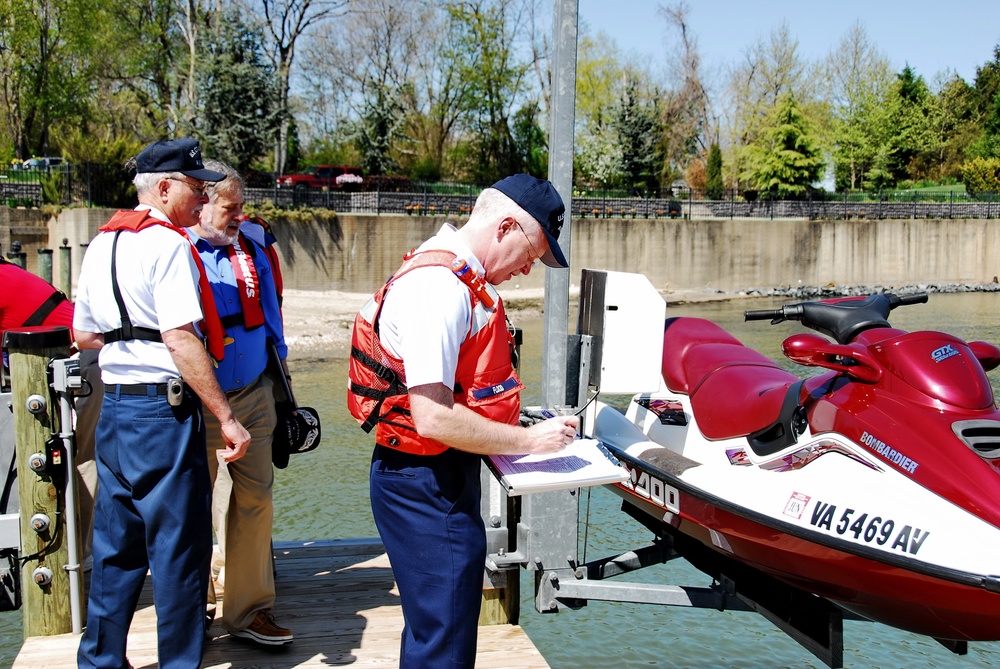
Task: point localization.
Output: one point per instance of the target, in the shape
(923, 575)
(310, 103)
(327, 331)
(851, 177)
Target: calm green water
(324, 495)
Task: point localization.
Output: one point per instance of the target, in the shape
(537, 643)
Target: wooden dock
(340, 600)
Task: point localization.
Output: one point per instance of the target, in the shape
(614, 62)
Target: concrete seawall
(356, 253)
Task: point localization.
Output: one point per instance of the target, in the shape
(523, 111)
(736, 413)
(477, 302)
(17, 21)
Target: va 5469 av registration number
(868, 528)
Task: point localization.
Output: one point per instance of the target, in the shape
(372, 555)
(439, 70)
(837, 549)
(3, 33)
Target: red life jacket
(241, 257)
(135, 221)
(485, 380)
(272, 254)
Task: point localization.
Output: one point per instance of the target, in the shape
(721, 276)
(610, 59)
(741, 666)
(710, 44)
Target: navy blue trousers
(427, 512)
(152, 512)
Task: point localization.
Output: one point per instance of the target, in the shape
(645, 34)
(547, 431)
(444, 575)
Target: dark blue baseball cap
(176, 155)
(539, 198)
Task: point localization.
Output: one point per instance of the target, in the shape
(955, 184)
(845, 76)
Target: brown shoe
(265, 631)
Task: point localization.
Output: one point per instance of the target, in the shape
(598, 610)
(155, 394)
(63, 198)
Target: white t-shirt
(426, 315)
(158, 280)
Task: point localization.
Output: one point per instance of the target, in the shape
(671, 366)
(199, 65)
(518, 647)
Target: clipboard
(584, 463)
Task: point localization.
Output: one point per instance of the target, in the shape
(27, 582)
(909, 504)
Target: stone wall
(356, 253)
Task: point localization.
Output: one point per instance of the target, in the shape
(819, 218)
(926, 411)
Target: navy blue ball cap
(176, 155)
(539, 198)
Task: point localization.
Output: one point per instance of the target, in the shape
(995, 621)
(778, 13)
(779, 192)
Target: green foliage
(785, 161)
(426, 169)
(53, 187)
(239, 111)
(481, 34)
(293, 150)
(330, 151)
(530, 142)
(46, 69)
(277, 216)
(600, 157)
(379, 128)
(636, 123)
(982, 175)
(713, 173)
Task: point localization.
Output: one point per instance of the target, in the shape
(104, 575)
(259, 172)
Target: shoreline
(320, 322)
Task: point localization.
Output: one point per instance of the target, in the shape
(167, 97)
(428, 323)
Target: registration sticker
(796, 505)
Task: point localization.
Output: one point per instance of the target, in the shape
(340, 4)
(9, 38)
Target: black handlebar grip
(916, 298)
(762, 315)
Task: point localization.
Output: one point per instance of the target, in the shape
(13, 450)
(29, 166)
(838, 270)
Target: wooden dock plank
(340, 600)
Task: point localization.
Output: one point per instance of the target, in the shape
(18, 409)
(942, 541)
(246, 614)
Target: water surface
(324, 495)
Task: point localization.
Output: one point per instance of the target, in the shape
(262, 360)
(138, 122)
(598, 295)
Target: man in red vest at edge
(431, 371)
(27, 300)
(144, 301)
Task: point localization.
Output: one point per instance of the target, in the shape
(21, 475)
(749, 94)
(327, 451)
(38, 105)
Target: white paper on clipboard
(585, 462)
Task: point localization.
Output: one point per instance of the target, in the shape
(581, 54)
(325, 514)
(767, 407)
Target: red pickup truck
(334, 177)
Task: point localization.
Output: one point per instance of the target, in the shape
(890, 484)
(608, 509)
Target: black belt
(137, 388)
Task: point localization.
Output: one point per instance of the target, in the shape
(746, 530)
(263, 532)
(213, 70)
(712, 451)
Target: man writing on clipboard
(432, 373)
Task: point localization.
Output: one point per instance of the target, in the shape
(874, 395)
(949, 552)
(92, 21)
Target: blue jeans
(152, 512)
(427, 512)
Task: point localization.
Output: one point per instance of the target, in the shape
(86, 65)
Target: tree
(909, 108)
(784, 161)
(44, 69)
(599, 74)
(982, 175)
(637, 123)
(481, 45)
(285, 22)
(238, 114)
(713, 173)
(530, 142)
(377, 130)
(688, 121)
(987, 106)
(857, 77)
(769, 70)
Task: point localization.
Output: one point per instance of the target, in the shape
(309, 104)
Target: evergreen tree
(529, 138)
(239, 114)
(987, 101)
(713, 173)
(785, 162)
(376, 133)
(640, 135)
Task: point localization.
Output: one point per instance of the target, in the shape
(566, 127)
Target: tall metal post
(45, 264)
(565, 24)
(66, 269)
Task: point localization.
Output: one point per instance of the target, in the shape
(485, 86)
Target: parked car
(334, 177)
(44, 163)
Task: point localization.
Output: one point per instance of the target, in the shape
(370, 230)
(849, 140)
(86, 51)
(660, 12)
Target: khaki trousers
(243, 512)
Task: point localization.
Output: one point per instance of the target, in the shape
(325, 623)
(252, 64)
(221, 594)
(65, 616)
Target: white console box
(624, 314)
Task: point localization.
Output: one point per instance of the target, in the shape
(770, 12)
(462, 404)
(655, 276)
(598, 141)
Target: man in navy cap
(431, 371)
(144, 301)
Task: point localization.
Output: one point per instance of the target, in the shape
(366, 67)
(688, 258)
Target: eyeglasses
(199, 189)
(535, 255)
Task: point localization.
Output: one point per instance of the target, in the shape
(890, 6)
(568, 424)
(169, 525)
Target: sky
(931, 37)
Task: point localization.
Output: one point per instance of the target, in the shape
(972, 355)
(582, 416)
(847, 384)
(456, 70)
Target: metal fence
(96, 185)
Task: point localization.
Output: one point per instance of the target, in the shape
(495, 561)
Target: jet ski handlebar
(841, 318)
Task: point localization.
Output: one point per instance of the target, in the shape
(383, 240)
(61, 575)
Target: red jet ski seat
(735, 391)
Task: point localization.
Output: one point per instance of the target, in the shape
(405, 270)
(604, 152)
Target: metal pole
(565, 27)
(73, 543)
(45, 264)
(66, 268)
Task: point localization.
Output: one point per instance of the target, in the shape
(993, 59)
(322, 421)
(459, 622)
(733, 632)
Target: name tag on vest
(484, 393)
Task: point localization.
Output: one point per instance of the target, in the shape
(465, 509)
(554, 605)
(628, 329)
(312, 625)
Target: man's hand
(554, 434)
(237, 440)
